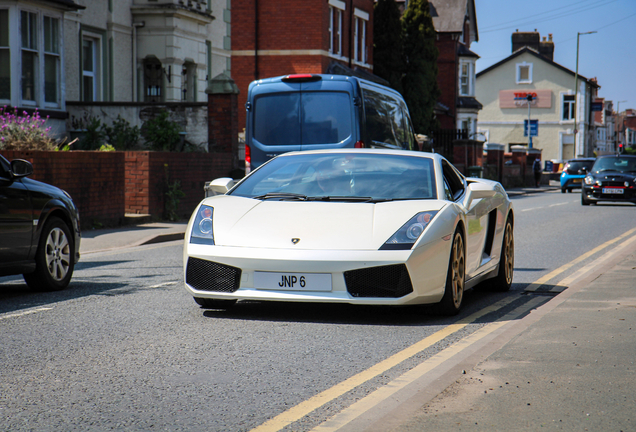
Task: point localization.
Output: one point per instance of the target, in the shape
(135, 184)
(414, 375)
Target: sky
(609, 55)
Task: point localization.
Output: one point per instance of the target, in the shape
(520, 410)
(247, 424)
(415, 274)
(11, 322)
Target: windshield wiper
(340, 198)
(282, 196)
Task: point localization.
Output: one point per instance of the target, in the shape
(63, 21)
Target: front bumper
(357, 277)
(594, 193)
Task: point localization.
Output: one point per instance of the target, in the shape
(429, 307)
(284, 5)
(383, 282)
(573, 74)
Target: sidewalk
(571, 367)
(130, 235)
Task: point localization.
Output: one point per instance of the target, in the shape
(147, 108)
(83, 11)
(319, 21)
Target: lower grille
(205, 275)
(391, 281)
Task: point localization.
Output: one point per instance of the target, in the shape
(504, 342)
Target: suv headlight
(589, 180)
(203, 228)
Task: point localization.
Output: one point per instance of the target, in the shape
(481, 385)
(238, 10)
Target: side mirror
(480, 190)
(218, 186)
(21, 168)
(584, 170)
(476, 191)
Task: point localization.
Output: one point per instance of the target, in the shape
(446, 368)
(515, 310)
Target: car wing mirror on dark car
(21, 168)
(583, 170)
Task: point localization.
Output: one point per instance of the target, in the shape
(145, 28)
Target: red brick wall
(107, 185)
(148, 174)
(95, 180)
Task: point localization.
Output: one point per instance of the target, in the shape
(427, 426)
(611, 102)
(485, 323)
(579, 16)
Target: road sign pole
(529, 99)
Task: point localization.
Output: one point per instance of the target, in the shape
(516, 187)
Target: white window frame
(96, 74)
(361, 19)
(570, 107)
(469, 78)
(7, 50)
(518, 68)
(336, 11)
(469, 120)
(57, 57)
(40, 55)
(36, 50)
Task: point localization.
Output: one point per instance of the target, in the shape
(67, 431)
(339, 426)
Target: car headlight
(202, 228)
(408, 234)
(589, 180)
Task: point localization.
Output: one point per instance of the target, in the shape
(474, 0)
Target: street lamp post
(576, 83)
(618, 113)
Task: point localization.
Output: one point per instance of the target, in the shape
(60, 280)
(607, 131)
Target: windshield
(618, 164)
(302, 118)
(574, 167)
(342, 176)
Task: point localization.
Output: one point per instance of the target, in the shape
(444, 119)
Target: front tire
(584, 200)
(54, 261)
(454, 293)
(503, 281)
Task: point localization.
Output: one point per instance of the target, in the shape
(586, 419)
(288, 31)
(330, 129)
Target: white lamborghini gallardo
(374, 227)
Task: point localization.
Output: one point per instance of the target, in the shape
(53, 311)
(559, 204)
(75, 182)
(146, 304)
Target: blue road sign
(534, 128)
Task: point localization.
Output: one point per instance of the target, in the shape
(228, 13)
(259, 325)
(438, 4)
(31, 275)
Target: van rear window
(326, 118)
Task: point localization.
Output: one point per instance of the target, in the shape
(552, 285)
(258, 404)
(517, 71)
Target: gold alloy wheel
(457, 271)
(509, 253)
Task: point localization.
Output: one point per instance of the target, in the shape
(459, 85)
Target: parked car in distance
(358, 226)
(312, 112)
(39, 229)
(612, 178)
(574, 171)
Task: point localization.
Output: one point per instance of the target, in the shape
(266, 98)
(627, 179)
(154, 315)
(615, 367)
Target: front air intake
(392, 281)
(205, 275)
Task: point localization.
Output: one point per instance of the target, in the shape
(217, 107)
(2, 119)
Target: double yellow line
(305, 408)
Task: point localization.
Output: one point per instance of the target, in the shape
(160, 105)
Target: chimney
(546, 48)
(523, 39)
(533, 40)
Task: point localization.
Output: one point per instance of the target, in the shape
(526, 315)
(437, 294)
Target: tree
(388, 54)
(420, 79)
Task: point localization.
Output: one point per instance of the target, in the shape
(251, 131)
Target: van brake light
(358, 144)
(301, 78)
(248, 159)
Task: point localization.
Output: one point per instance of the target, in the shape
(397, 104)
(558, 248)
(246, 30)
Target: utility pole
(576, 85)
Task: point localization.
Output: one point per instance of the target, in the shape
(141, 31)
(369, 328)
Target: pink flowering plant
(24, 131)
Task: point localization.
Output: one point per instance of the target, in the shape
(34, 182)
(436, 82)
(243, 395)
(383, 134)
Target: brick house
(626, 127)
(455, 23)
(68, 58)
(279, 37)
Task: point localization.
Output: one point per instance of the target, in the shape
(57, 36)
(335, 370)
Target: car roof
(397, 152)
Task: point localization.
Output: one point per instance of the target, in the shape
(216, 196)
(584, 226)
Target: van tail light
(248, 159)
(301, 78)
(358, 144)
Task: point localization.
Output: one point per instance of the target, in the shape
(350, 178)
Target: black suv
(612, 178)
(39, 229)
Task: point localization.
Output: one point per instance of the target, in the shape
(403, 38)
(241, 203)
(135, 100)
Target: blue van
(309, 112)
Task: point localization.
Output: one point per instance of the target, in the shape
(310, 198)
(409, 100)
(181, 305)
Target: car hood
(246, 222)
(614, 176)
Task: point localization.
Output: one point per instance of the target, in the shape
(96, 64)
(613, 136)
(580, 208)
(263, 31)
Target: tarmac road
(568, 365)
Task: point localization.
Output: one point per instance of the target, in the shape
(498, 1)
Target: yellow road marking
(299, 411)
(304, 408)
(381, 394)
